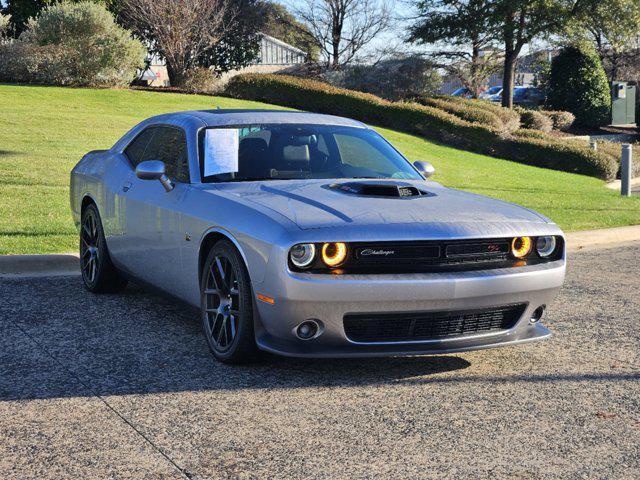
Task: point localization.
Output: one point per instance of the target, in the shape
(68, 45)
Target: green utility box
(623, 103)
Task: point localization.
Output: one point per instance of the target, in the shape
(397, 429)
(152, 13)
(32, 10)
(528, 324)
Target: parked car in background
(529, 97)
(462, 92)
(492, 93)
(312, 236)
(525, 96)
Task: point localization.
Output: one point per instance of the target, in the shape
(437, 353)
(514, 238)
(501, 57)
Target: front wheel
(227, 305)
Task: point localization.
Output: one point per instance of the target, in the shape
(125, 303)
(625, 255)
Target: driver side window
(164, 143)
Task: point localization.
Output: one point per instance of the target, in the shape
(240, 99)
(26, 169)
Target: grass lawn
(45, 130)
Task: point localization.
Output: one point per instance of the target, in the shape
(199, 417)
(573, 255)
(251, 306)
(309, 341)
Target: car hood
(315, 204)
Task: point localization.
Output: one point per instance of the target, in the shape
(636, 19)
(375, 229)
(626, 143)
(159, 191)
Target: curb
(617, 184)
(603, 238)
(57, 264)
(64, 264)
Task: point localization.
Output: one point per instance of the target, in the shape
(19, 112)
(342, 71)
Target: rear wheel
(227, 305)
(98, 273)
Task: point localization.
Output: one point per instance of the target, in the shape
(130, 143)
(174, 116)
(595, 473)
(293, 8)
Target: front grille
(419, 326)
(428, 256)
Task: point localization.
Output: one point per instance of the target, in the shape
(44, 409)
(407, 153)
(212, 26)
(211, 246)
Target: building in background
(274, 56)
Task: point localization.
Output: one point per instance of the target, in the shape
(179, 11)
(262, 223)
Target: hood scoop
(387, 190)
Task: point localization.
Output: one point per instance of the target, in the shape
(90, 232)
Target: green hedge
(472, 114)
(510, 118)
(535, 120)
(427, 121)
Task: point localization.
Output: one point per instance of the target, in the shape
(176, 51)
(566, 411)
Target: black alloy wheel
(227, 305)
(98, 273)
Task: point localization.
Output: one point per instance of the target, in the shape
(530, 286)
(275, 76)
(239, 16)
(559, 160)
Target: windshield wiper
(252, 179)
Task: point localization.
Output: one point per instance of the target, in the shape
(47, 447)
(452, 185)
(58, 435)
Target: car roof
(228, 117)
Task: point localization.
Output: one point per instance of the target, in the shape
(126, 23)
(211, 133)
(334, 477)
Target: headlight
(333, 254)
(545, 246)
(521, 247)
(303, 254)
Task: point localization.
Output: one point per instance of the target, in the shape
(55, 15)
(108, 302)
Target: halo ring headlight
(521, 247)
(545, 246)
(333, 254)
(302, 255)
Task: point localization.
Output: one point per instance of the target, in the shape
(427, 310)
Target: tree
(343, 27)
(614, 29)
(520, 22)
(467, 29)
(73, 44)
(578, 84)
(396, 78)
(192, 33)
(275, 20)
(21, 11)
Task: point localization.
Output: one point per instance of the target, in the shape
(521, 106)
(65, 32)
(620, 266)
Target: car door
(153, 231)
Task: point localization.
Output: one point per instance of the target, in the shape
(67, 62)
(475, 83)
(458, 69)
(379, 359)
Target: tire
(226, 305)
(98, 273)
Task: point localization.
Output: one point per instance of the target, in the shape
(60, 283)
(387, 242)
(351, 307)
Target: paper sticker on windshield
(221, 151)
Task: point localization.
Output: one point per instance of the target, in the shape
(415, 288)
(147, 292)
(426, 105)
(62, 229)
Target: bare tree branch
(182, 31)
(343, 27)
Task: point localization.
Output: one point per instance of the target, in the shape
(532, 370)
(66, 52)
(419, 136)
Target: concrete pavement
(123, 386)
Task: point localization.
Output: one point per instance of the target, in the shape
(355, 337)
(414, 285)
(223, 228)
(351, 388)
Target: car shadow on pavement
(57, 340)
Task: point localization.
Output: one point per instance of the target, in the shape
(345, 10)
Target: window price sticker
(221, 151)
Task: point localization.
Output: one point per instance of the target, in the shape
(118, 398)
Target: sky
(402, 11)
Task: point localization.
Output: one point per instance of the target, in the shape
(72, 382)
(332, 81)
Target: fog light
(537, 314)
(307, 330)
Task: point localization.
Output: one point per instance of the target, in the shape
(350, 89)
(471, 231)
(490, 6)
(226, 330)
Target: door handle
(126, 187)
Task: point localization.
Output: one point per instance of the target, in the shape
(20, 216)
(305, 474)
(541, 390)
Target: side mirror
(425, 168)
(154, 170)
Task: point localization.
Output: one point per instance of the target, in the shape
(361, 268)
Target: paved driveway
(123, 386)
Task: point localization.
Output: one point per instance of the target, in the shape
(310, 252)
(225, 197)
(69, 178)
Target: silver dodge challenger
(310, 235)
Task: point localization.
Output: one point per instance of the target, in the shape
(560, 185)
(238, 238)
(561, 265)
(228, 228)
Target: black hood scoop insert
(372, 189)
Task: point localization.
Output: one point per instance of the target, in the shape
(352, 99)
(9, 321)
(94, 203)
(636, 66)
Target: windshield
(291, 151)
(494, 90)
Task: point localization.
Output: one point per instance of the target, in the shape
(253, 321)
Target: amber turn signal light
(333, 254)
(521, 246)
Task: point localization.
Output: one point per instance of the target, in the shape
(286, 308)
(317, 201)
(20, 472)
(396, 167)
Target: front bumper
(328, 298)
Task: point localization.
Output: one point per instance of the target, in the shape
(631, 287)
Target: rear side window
(135, 150)
(170, 146)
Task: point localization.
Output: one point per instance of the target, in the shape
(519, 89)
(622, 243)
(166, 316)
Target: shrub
(24, 62)
(509, 117)
(198, 80)
(614, 150)
(526, 133)
(394, 79)
(74, 44)
(470, 113)
(561, 120)
(427, 121)
(578, 84)
(535, 120)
